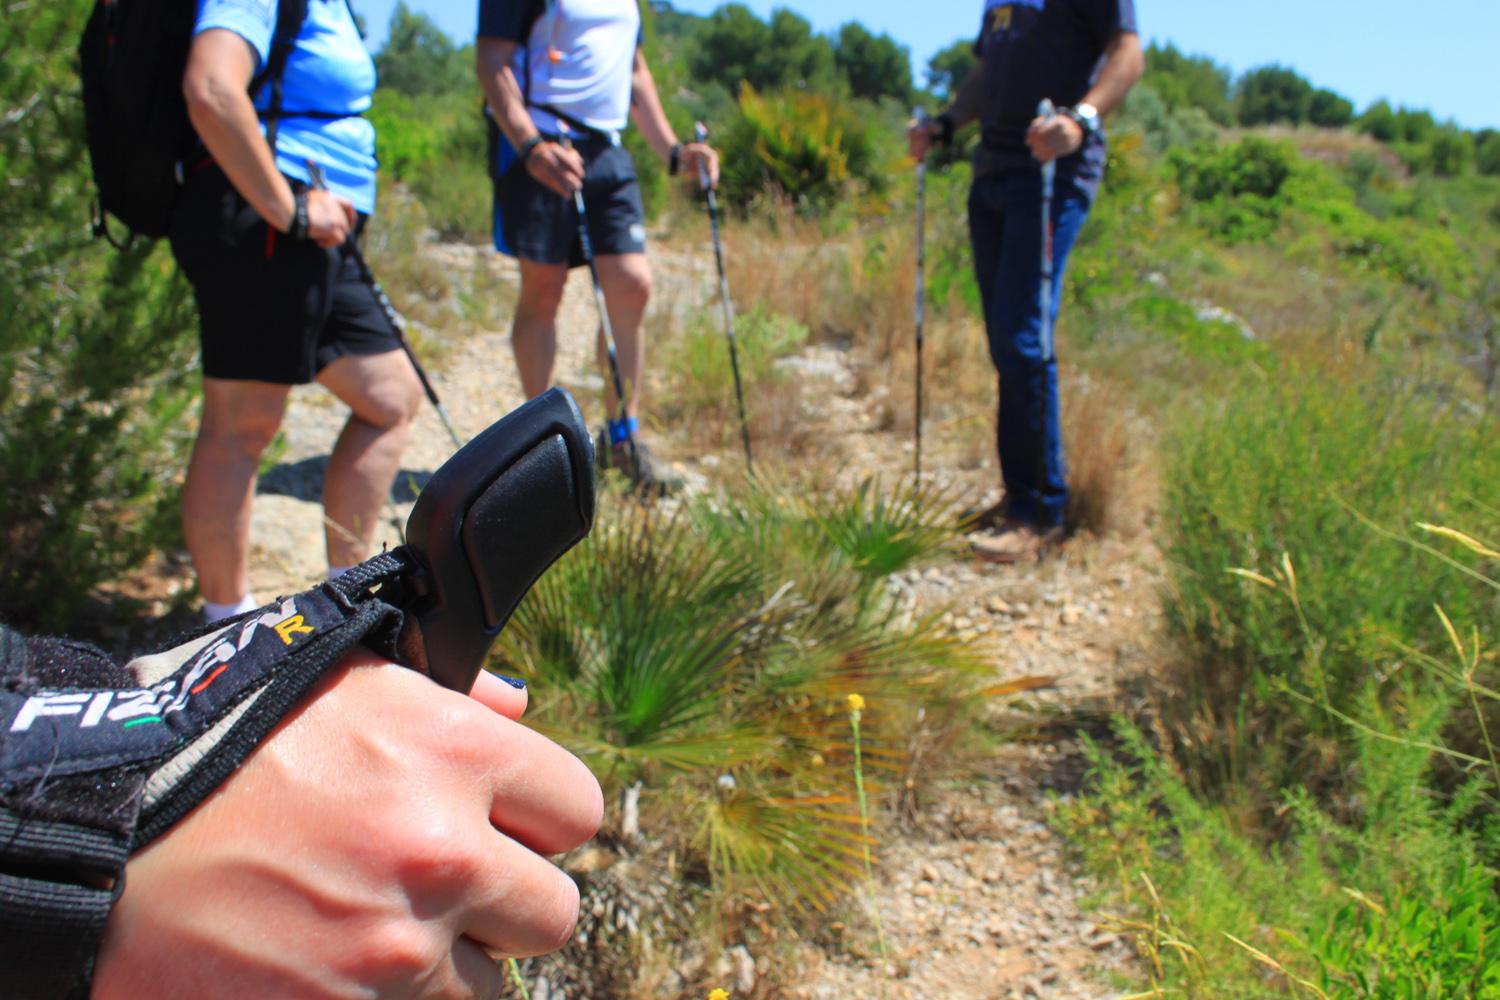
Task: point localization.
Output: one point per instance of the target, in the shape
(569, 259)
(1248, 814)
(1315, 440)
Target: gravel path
(976, 898)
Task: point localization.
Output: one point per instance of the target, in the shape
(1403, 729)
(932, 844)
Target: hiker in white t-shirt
(575, 67)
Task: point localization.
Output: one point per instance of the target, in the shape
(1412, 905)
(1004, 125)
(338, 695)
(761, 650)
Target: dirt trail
(976, 898)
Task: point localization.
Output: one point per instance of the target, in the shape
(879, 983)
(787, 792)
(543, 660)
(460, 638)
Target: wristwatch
(1087, 117)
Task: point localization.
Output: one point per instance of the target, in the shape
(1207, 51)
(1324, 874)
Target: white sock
(218, 612)
(334, 572)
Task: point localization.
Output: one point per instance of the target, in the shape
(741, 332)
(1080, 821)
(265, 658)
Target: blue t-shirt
(1033, 49)
(329, 72)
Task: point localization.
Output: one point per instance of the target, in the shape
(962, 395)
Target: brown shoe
(992, 518)
(1018, 542)
(647, 473)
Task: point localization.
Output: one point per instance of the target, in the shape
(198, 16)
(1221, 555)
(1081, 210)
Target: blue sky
(1431, 55)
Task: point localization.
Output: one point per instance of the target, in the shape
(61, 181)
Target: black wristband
(528, 147)
(674, 159)
(297, 230)
(945, 129)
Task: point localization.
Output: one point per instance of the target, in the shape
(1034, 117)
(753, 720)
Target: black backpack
(132, 56)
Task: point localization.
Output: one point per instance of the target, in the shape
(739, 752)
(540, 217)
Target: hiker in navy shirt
(1083, 56)
(550, 67)
(280, 298)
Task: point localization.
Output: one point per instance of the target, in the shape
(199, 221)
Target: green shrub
(1270, 470)
(96, 369)
(810, 147)
(437, 146)
(1399, 902)
(1237, 187)
(708, 653)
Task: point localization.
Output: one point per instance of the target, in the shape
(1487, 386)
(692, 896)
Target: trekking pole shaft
(586, 246)
(1049, 179)
(701, 134)
(921, 295)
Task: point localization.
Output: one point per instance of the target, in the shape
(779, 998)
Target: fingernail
(514, 682)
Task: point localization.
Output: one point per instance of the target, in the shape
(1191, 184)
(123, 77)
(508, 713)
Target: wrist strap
(674, 159)
(298, 229)
(528, 147)
(97, 760)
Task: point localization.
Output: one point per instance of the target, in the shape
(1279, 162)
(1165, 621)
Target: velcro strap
(58, 882)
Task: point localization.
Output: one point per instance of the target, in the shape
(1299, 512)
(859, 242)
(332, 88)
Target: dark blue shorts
(533, 223)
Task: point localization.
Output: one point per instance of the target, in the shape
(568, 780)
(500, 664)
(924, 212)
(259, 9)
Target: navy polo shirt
(1035, 49)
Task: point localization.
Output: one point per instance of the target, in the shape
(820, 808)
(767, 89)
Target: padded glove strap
(97, 760)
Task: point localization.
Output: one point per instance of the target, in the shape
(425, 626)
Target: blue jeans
(1005, 229)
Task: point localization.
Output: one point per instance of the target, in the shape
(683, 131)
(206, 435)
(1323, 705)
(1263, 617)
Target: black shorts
(270, 309)
(533, 223)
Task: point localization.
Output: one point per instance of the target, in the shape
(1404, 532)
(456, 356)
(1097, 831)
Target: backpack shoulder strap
(289, 17)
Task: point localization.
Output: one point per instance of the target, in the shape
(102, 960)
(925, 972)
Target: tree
(1413, 125)
(1450, 150)
(1329, 110)
(874, 65)
(734, 47)
(1487, 152)
(1184, 81)
(948, 70)
(1379, 122)
(1273, 94)
(96, 369)
(419, 58)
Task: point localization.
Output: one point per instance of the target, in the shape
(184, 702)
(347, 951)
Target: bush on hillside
(811, 148)
(1186, 82)
(96, 370)
(1282, 471)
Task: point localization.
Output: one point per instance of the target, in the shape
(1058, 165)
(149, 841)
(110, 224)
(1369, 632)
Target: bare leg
(239, 420)
(534, 336)
(383, 396)
(626, 280)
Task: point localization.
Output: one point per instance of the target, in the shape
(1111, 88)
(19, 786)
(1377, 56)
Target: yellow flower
(856, 703)
(718, 994)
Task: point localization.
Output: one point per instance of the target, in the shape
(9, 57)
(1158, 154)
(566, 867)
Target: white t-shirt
(574, 55)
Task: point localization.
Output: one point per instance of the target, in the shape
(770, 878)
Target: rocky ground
(976, 897)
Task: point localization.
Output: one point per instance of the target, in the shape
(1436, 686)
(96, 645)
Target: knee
(392, 403)
(632, 287)
(246, 432)
(541, 292)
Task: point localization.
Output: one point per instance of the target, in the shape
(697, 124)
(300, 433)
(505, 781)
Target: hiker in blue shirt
(1083, 56)
(279, 294)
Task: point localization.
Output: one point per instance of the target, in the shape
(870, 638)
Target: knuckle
(435, 855)
(398, 951)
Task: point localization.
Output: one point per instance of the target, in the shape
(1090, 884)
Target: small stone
(744, 969)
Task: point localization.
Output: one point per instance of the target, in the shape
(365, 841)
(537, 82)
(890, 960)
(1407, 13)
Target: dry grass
(1109, 486)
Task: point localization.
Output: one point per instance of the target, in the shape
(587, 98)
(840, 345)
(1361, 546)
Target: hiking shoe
(995, 517)
(1018, 542)
(647, 473)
